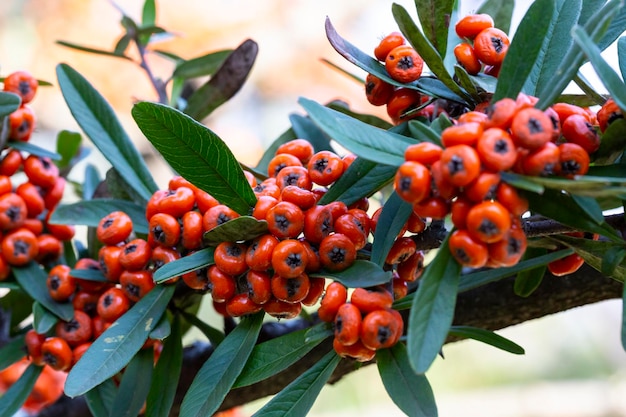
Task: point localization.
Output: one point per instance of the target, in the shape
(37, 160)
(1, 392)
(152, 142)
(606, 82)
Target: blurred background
(574, 365)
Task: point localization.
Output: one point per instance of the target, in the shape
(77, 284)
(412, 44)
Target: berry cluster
(484, 46)
(22, 121)
(463, 177)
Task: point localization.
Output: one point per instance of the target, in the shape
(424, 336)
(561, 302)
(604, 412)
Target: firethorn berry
(459, 209)
(289, 258)
(400, 287)
(357, 351)
(337, 252)
(281, 309)
(196, 279)
(60, 231)
(230, 258)
(362, 217)
(316, 290)
(241, 305)
(402, 248)
(313, 263)
(77, 330)
(222, 286)
(11, 162)
(433, 207)
(377, 91)
(348, 159)
(305, 199)
(86, 301)
(388, 43)
(285, 220)
(543, 161)
(21, 83)
(462, 134)
(488, 221)
(52, 196)
(426, 153)
(177, 202)
(19, 246)
(508, 196)
(114, 228)
(412, 181)
(577, 129)
(491, 45)
(5, 268)
(161, 256)
(217, 215)
(87, 285)
(280, 161)
(109, 259)
(404, 64)
(61, 286)
(337, 208)
(347, 324)
(565, 110)
(349, 225)
(371, 298)
(22, 124)
(531, 128)
(608, 113)
(262, 206)
(136, 284)
(318, 223)
(57, 353)
(325, 167)
(259, 287)
(41, 171)
(34, 225)
(467, 250)
(33, 342)
(335, 295)
(402, 103)
(291, 290)
(510, 249)
(258, 256)
(472, 24)
(381, 329)
(300, 148)
(35, 204)
(163, 230)
(441, 185)
(566, 265)
(573, 160)
(191, 230)
(483, 187)
(267, 187)
(79, 351)
(465, 56)
(412, 268)
(460, 165)
(13, 211)
(293, 175)
(500, 114)
(135, 255)
(496, 150)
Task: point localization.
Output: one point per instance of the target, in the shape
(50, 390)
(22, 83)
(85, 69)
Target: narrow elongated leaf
(555, 44)
(202, 65)
(361, 273)
(100, 399)
(527, 281)
(68, 147)
(91, 50)
(621, 55)
(32, 278)
(362, 179)
(89, 274)
(166, 374)
(216, 377)
(501, 11)
(135, 384)
(31, 148)
(615, 30)
(411, 392)
(588, 10)
(240, 228)
(275, 355)
(270, 151)
(393, 217)
(305, 128)
(148, 13)
(215, 336)
(119, 343)
(424, 133)
(612, 258)
(524, 49)
(487, 337)
(365, 141)
(225, 83)
(196, 153)
(99, 122)
(12, 352)
(433, 309)
(434, 17)
(9, 102)
(14, 397)
(623, 332)
(90, 212)
(297, 398)
(197, 260)
(43, 320)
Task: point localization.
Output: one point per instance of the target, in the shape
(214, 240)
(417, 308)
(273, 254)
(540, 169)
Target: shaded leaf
(424, 133)
(11, 352)
(392, 219)
(487, 337)
(217, 375)
(225, 83)
(31, 148)
(235, 230)
(361, 273)
(613, 257)
(196, 260)
(616, 28)
(134, 386)
(43, 320)
(68, 146)
(14, 397)
(623, 332)
(612, 144)
(203, 65)
(196, 153)
(411, 392)
(32, 278)
(90, 212)
(9, 102)
(527, 281)
(621, 56)
(119, 343)
(501, 11)
(215, 336)
(434, 17)
(305, 128)
(297, 398)
(100, 399)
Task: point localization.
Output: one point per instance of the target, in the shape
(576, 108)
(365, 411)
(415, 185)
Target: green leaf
(112, 351)
(11, 352)
(366, 141)
(305, 128)
(427, 51)
(197, 260)
(9, 102)
(122, 44)
(623, 332)
(17, 301)
(32, 278)
(148, 13)
(275, 355)
(91, 181)
(433, 309)
(392, 219)
(92, 50)
(216, 377)
(100, 398)
(524, 49)
(225, 83)
(269, 153)
(606, 73)
(411, 392)
(43, 320)
(215, 336)
(166, 374)
(134, 386)
(612, 144)
(616, 28)
(203, 65)
(297, 398)
(424, 133)
(434, 17)
(361, 273)
(237, 229)
(527, 281)
(621, 56)
(612, 259)
(31, 148)
(501, 11)
(97, 119)
(555, 44)
(14, 397)
(362, 179)
(68, 146)
(196, 153)
(90, 212)
(89, 275)
(487, 337)
(162, 330)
